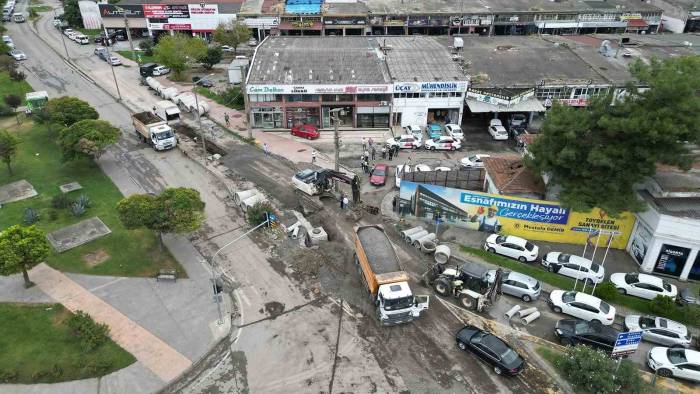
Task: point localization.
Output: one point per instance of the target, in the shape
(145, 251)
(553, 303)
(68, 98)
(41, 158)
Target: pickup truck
(154, 131)
(381, 273)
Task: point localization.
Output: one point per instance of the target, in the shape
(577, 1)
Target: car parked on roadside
(454, 131)
(520, 285)
(160, 70)
(497, 131)
(677, 363)
(441, 168)
(414, 130)
(377, 176)
(581, 305)
(444, 142)
(574, 267)
(18, 55)
(643, 285)
(511, 246)
(69, 32)
(659, 330)
(433, 130)
(307, 131)
(400, 170)
(421, 167)
(572, 332)
(7, 40)
(81, 39)
(405, 141)
(491, 349)
(474, 161)
(226, 48)
(113, 60)
(252, 42)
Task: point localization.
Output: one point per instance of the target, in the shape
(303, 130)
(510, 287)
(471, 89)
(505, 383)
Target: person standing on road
(391, 153)
(364, 144)
(227, 120)
(396, 150)
(342, 200)
(266, 149)
(383, 152)
(370, 141)
(373, 151)
(345, 201)
(313, 156)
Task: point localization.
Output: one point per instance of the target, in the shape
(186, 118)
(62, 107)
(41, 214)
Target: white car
(497, 131)
(583, 306)
(659, 330)
(81, 39)
(68, 32)
(415, 131)
(421, 167)
(18, 55)
(226, 48)
(160, 70)
(400, 170)
(444, 169)
(113, 60)
(252, 42)
(677, 363)
(643, 285)
(443, 143)
(455, 131)
(405, 141)
(574, 267)
(8, 41)
(474, 161)
(511, 246)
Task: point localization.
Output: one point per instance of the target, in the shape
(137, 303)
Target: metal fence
(467, 179)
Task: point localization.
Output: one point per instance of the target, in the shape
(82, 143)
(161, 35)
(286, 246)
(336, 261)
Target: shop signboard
(344, 21)
(197, 11)
(302, 24)
(156, 26)
(630, 15)
(177, 26)
(498, 99)
(317, 89)
(671, 260)
(262, 23)
(528, 218)
(394, 22)
(578, 102)
(640, 242)
(166, 11)
(414, 87)
(472, 20)
(111, 10)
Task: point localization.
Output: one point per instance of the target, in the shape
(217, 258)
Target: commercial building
(507, 175)
(378, 82)
(679, 16)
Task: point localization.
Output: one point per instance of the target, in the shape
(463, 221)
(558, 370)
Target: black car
(579, 332)
(146, 70)
(202, 82)
(491, 349)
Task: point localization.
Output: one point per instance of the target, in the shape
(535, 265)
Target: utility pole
(109, 60)
(128, 32)
(336, 137)
(246, 104)
(63, 38)
(199, 124)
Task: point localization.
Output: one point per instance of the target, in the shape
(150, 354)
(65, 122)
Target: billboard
(527, 218)
(90, 12)
(166, 11)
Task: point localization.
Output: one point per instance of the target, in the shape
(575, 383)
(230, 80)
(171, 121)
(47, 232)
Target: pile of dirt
(96, 257)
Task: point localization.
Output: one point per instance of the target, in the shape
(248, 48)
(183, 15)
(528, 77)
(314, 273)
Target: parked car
(113, 60)
(81, 39)
(18, 17)
(415, 131)
(572, 332)
(677, 363)
(688, 296)
(574, 267)
(7, 40)
(18, 55)
(442, 169)
(433, 130)
(659, 330)
(160, 70)
(491, 349)
(497, 131)
(146, 70)
(400, 170)
(104, 40)
(200, 81)
(454, 131)
(517, 121)
(643, 285)
(377, 176)
(307, 131)
(405, 141)
(512, 246)
(226, 48)
(474, 161)
(421, 167)
(252, 42)
(520, 285)
(583, 306)
(69, 32)
(443, 143)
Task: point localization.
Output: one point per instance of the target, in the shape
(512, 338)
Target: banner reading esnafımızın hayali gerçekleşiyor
(527, 218)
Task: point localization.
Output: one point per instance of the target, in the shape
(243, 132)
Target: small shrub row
(91, 334)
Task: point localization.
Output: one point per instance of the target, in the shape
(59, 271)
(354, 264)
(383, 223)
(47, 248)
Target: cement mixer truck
(381, 273)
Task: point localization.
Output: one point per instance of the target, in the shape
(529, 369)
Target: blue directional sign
(626, 343)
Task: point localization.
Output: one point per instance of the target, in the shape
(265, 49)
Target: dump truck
(381, 273)
(154, 131)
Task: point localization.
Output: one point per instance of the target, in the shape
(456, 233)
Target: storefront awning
(529, 105)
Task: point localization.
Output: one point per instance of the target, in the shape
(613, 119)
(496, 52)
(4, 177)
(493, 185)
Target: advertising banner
(317, 89)
(164, 11)
(90, 12)
(110, 10)
(413, 87)
(196, 11)
(671, 260)
(640, 242)
(527, 218)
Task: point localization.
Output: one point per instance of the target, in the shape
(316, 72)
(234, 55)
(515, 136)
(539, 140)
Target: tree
(87, 138)
(68, 110)
(71, 13)
(232, 34)
(175, 210)
(17, 76)
(8, 148)
(592, 371)
(21, 248)
(597, 154)
(177, 51)
(147, 47)
(212, 57)
(7, 63)
(13, 101)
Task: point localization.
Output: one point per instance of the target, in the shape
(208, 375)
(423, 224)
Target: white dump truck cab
(396, 303)
(163, 137)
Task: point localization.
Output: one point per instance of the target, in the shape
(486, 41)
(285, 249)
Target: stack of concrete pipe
(410, 231)
(246, 199)
(413, 237)
(243, 194)
(526, 316)
(426, 243)
(169, 93)
(442, 254)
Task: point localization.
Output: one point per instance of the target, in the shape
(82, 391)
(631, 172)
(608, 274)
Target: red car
(378, 175)
(307, 131)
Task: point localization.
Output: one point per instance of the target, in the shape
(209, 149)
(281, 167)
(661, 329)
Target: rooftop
(455, 7)
(420, 59)
(358, 8)
(510, 176)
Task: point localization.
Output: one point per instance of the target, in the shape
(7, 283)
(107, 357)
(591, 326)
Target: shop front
(489, 102)
(428, 25)
(344, 26)
(262, 26)
(301, 26)
(420, 103)
(471, 24)
(267, 117)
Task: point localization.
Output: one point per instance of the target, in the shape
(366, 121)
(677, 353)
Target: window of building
(292, 98)
(553, 93)
(263, 98)
(588, 92)
(267, 118)
(373, 97)
(336, 97)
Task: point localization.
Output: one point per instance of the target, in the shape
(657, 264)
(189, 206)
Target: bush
(30, 216)
(5, 110)
(607, 291)
(147, 47)
(92, 335)
(53, 215)
(256, 214)
(664, 306)
(60, 201)
(592, 371)
(232, 98)
(77, 209)
(8, 376)
(17, 76)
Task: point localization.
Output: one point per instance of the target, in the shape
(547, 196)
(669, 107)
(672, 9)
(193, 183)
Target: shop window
(373, 97)
(553, 93)
(695, 270)
(264, 98)
(671, 260)
(267, 118)
(293, 98)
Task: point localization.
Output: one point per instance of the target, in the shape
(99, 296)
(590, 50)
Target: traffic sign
(626, 343)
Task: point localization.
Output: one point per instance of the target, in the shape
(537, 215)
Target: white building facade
(420, 103)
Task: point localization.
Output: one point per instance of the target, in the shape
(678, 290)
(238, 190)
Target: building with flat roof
(378, 81)
(680, 16)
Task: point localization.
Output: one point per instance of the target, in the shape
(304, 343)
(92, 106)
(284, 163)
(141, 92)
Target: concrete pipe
(293, 227)
(411, 231)
(442, 254)
(428, 246)
(525, 312)
(295, 233)
(238, 197)
(251, 201)
(530, 318)
(416, 236)
(512, 311)
(418, 244)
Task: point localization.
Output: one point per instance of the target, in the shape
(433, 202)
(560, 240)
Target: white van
(81, 39)
(18, 18)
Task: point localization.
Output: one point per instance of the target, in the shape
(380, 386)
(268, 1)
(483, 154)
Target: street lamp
(199, 120)
(62, 36)
(334, 116)
(109, 60)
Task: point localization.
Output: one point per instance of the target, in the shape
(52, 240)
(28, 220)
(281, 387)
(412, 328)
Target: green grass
(552, 356)
(89, 32)
(636, 304)
(36, 346)
(128, 252)
(223, 99)
(41, 8)
(132, 56)
(8, 86)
